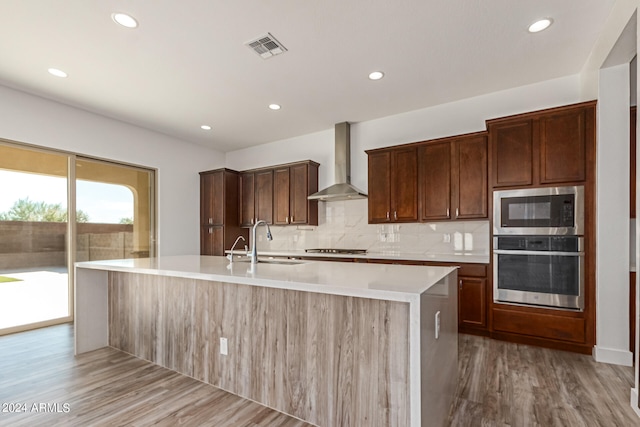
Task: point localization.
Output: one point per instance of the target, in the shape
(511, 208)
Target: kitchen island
(334, 344)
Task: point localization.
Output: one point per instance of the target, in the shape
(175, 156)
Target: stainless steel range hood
(342, 189)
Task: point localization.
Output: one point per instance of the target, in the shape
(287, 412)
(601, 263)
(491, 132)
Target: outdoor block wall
(26, 244)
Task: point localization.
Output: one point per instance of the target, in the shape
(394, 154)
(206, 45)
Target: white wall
(454, 118)
(38, 121)
(612, 213)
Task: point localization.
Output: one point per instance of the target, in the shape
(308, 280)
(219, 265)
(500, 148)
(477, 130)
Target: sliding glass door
(115, 205)
(58, 208)
(34, 280)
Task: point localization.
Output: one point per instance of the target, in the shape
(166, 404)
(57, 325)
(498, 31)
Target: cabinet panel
(379, 186)
(435, 181)
(219, 203)
(472, 307)
(281, 196)
(470, 172)
(264, 196)
(304, 181)
(247, 204)
(512, 151)
(404, 185)
(212, 240)
(570, 329)
(212, 198)
(562, 147)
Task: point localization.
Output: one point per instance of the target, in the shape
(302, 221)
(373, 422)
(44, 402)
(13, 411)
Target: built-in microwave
(539, 211)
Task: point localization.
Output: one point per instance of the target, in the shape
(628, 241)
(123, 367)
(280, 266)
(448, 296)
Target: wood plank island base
(333, 344)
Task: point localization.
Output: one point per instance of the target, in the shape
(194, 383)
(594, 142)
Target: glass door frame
(71, 238)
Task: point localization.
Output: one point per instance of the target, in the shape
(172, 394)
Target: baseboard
(634, 401)
(613, 356)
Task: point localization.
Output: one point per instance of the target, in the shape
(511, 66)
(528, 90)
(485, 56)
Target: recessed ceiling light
(56, 72)
(124, 20)
(274, 106)
(205, 127)
(376, 75)
(540, 25)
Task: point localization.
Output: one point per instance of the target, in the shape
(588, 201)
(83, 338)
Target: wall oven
(538, 247)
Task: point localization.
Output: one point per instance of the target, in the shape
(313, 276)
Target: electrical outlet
(224, 348)
(437, 324)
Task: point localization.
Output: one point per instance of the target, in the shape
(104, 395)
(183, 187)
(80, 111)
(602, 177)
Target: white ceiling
(186, 64)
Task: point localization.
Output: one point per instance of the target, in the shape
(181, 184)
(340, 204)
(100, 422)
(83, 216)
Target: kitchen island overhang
(363, 321)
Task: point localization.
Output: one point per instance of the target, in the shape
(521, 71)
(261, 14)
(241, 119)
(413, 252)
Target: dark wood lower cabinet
(472, 299)
(472, 293)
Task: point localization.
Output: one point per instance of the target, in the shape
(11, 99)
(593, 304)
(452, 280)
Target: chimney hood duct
(342, 189)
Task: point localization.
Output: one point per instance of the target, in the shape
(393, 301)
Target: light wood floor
(107, 387)
(505, 384)
(501, 384)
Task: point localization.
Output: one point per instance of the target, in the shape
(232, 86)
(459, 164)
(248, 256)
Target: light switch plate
(224, 349)
(437, 324)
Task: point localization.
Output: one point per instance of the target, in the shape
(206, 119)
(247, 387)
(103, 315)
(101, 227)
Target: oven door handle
(543, 253)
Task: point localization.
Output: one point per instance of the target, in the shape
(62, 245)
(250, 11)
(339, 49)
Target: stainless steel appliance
(336, 251)
(538, 247)
(539, 211)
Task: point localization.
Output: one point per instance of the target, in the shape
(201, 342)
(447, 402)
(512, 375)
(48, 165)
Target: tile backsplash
(344, 225)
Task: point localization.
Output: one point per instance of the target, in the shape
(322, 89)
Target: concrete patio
(41, 294)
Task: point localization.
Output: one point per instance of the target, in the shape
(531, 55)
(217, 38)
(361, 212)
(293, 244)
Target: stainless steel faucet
(254, 252)
(230, 256)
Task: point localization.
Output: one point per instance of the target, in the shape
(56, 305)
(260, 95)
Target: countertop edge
(380, 294)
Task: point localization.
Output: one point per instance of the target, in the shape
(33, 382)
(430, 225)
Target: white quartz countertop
(462, 257)
(377, 281)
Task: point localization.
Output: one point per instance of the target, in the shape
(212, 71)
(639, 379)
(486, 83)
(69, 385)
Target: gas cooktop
(336, 251)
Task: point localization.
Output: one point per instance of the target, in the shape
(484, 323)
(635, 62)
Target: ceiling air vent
(266, 46)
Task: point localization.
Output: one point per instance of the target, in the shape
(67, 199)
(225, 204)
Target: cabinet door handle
(447, 212)
(210, 230)
(460, 283)
(457, 213)
(292, 218)
(210, 220)
(387, 215)
(286, 219)
(395, 215)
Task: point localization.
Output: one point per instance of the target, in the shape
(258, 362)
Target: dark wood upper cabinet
(304, 182)
(542, 147)
(453, 178)
(247, 195)
(393, 185)
(562, 146)
(211, 203)
(512, 151)
(263, 197)
(404, 184)
(281, 196)
(291, 187)
(278, 194)
(435, 181)
(469, 192)
(219, 204)
(379, 182)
